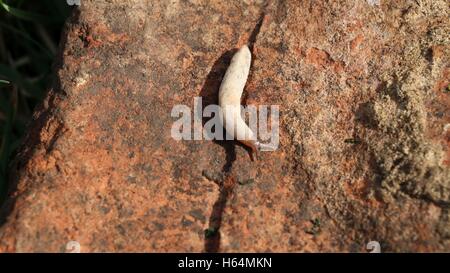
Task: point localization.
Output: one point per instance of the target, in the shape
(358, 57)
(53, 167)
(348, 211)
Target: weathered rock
(365, 134)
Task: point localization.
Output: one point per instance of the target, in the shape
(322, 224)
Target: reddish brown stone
(362, 154)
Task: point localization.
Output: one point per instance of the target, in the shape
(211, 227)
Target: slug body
(230, 94)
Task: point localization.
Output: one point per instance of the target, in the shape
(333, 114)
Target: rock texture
(363, 89)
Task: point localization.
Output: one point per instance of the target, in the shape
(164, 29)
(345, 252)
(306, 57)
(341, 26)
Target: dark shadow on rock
(209, 95)
(252, 39)
(212, 234)
(365, 115)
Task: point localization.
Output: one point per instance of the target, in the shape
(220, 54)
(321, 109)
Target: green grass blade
(15, 77)
(25, 15)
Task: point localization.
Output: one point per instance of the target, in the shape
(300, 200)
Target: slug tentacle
(230, 93)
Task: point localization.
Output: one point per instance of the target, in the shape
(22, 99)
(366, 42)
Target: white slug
(230, 93)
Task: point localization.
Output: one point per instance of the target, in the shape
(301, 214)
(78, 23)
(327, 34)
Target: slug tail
(254, 148)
